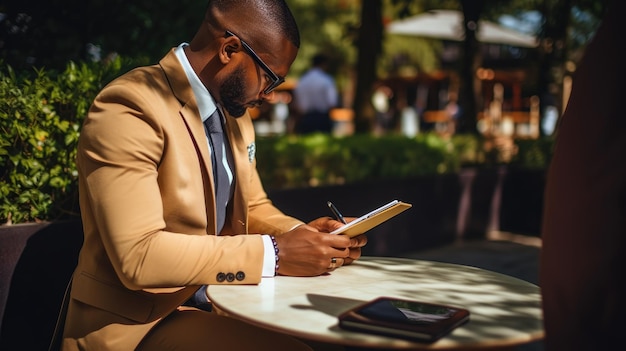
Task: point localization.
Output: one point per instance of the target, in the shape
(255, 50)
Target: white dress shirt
(206, 107)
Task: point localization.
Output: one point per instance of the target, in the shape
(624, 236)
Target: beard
(231, 91)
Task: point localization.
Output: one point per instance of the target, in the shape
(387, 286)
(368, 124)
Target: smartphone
(403, 318)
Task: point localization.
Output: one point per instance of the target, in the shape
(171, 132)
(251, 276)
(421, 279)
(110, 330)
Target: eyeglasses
(276, 79)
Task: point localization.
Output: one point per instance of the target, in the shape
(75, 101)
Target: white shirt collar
(206, 104)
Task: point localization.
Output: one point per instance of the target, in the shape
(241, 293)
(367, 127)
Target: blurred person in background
(314, 97)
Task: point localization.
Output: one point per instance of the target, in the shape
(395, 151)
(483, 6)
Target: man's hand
(308, 250)
(326, 224)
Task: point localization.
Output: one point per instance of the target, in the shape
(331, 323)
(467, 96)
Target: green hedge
(40, 117)
(321, 159)
(41, 113)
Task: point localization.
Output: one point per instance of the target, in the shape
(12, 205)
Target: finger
(333, 264)
(339, 242)
(358, 241)
(334, 224)
(325, 224)
(340, 252)
(336, 262)
(354, 254)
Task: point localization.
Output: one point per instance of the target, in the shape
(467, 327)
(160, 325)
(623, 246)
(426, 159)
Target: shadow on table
(502, 256)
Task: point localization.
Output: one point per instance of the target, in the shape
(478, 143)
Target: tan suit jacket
(148, 209)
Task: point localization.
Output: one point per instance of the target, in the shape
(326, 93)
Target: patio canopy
(448, 25)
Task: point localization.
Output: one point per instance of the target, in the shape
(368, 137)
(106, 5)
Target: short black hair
(276, 13)
(319, 59)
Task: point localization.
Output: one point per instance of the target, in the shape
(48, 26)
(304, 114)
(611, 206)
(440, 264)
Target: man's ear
(230, 46)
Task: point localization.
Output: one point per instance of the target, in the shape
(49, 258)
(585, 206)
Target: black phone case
(379, 317)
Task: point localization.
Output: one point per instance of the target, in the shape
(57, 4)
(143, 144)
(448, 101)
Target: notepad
(373, 218)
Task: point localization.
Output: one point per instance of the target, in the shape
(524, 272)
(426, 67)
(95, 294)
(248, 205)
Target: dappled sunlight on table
(504, 311)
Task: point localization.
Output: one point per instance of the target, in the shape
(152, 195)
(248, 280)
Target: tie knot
(214, 123)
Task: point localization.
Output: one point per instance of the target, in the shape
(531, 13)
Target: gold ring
(333, 263)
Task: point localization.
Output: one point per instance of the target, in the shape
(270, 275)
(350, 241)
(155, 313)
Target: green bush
(321, 159)
(40, 117)
(41, 113)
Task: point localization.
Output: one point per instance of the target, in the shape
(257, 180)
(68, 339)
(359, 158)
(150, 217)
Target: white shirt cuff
(269, 257)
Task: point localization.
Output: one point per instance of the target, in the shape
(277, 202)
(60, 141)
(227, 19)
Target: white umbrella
(448, 25)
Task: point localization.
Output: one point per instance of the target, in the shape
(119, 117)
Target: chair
(36, 264)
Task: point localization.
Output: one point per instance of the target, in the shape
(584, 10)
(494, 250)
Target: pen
(336, 212)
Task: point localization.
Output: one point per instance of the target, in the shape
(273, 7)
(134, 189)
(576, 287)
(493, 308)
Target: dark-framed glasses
(276, 80)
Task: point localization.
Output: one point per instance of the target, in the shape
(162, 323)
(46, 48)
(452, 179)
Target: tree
(326, 27)
(470, 62)
(560, 42)
(369, 44)
(567, 27)
(50, 33)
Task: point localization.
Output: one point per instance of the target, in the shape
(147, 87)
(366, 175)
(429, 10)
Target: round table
(504, 311)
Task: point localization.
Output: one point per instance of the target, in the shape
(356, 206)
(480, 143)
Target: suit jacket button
(221, 277)
(230, 277)
(240, 276)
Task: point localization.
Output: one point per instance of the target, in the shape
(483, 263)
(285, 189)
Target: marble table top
(504, 311)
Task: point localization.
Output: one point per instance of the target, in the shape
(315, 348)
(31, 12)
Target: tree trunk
(369, 46)
(469, 92)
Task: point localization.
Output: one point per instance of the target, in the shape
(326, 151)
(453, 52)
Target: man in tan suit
(148, 199)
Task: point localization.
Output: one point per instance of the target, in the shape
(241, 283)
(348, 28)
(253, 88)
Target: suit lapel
(190, 116)
(240, 133)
